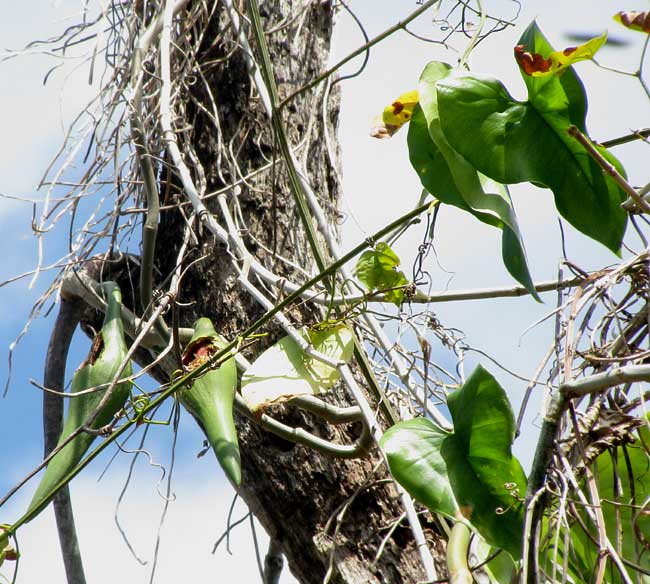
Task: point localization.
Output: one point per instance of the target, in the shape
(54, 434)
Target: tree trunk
(319, 510)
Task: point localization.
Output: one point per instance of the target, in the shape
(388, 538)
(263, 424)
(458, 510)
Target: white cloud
(194, 522)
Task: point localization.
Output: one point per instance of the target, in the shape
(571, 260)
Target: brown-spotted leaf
(538, 65)
(395, 115)
(531, 63)
(634, 20)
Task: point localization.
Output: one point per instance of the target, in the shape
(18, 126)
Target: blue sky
(379, 185)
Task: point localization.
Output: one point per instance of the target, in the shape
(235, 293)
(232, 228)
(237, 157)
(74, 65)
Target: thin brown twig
(607, 167)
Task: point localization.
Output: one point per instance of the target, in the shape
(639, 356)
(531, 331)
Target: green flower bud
(209, 398)
(106, 355)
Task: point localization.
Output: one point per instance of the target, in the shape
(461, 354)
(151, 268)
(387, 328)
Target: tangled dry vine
(210, 184)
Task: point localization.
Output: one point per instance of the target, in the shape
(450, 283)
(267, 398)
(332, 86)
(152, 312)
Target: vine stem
(303, 192)
(477, 34)
(606, 380)
(302, 436)
(463, 295)
(150, 223)
(304, 195)
(457, 549)
(189, 188)
(54, 377)
(380, 37)
(638, 135)
(225, 352)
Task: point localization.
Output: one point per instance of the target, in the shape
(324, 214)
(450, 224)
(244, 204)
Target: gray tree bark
(319, 510)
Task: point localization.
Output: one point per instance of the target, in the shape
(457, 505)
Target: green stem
(329, 412)
(150, 224)
(476, 36)
(301, 436)
(457, 548)
(375, 389)
(638, 135)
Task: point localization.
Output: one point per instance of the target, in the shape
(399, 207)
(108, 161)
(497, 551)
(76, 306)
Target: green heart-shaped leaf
(470, 474)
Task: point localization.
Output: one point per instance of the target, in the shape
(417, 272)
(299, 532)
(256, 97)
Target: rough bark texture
(292, 490)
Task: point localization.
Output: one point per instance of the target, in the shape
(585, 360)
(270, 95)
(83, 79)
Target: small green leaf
(335, 341)
(377, 269)
(469, 474)
(452, 180)
(284, 371)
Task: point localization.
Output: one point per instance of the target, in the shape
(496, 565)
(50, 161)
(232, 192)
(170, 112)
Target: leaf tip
(634, 20)
(395, 115)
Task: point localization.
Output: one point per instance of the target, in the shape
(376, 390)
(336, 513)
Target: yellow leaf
(536, 65)
(395, 115)
(639, 21)
(284, 371)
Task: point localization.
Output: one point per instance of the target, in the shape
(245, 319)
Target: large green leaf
(513, 142)
(451, 179)
(484, 423)
(469, 474)
(415, 457)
